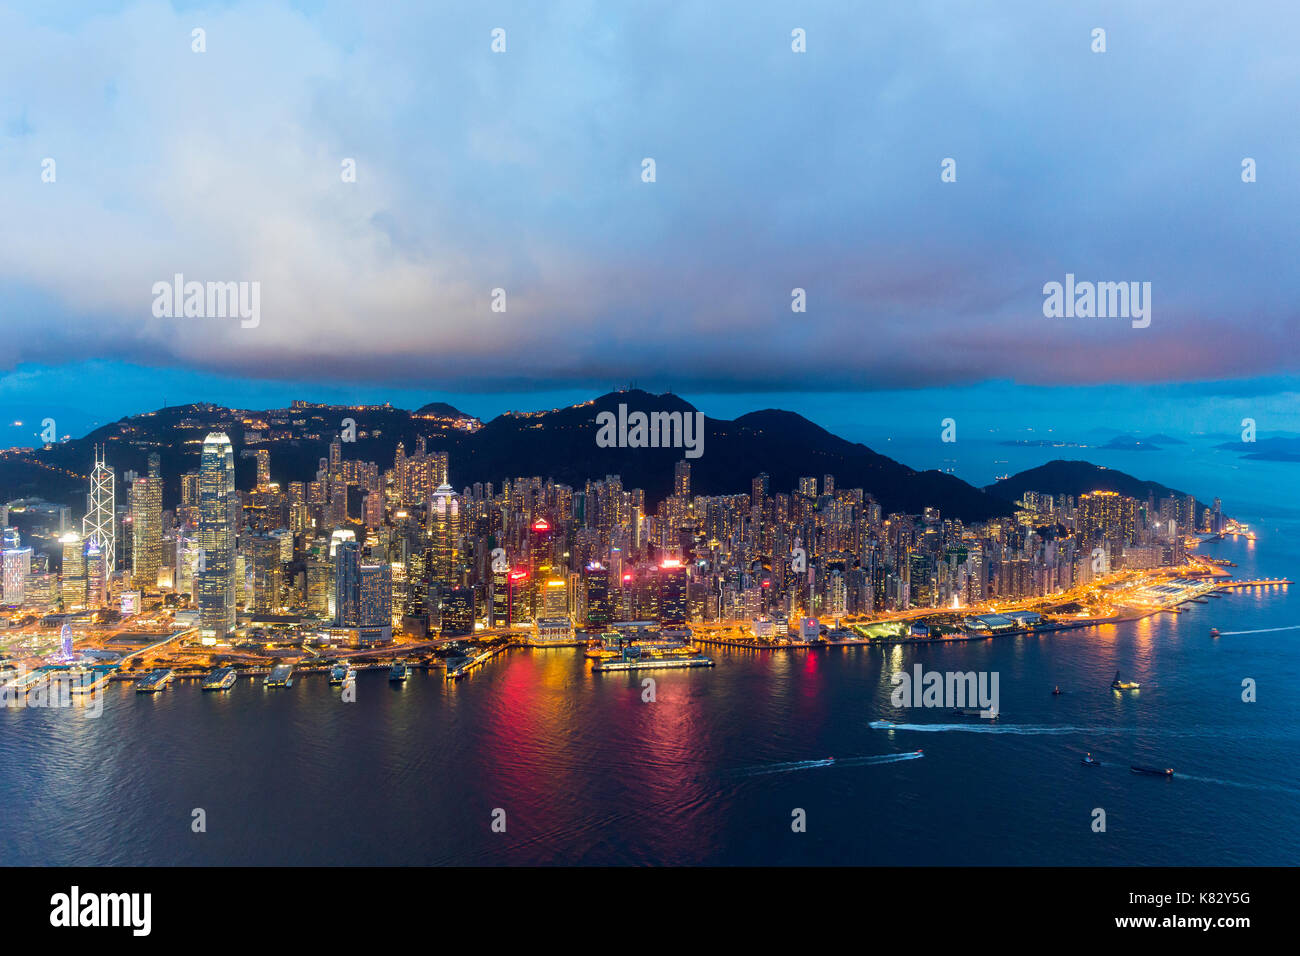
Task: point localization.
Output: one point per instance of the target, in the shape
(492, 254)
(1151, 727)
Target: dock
(154, 681)
(455, 673)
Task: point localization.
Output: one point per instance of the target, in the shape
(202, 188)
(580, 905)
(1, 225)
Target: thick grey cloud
(775, 170)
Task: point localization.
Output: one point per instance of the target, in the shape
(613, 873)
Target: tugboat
(1088, 761)
(1118, 684)
(1153, 771)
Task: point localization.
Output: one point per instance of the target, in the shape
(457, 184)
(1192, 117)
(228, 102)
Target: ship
(281, 676)
(969, 712)
(339, 672)
(1214, 632)
(1153, 771)
(1118, 684)
(399, 672)
(1089, 761)
(223, 678)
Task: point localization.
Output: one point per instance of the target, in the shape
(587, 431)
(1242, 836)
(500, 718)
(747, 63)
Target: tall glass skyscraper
(99, 525)
(218, 513)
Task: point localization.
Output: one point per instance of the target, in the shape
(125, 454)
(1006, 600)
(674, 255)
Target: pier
(455, 673)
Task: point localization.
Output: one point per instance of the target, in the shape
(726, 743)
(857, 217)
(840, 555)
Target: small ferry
(339, 672)
(281, 676)
(1118, 684)
(399, 672)
(1214, 632)
(223, 678)
(1153, 771)
(1089, 761)
(154, 681)
(970, 712)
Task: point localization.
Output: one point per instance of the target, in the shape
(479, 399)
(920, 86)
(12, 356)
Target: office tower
(375, 604)
(555, 598)
(347, 584)
(319, 588)
(72, 586)
(17, 565)
(99, 524)
(920, 571)
(457, 612)
(664, 596)
(499, 601)
(372, 510)
(444, 532)
(218, 507)
(758, 489)
(268, 572)
(682, 478)
(96, 576)
(263, 456)
(600, 611)
(146, 531)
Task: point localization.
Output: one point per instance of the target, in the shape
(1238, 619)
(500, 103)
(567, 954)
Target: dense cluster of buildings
(360, 553)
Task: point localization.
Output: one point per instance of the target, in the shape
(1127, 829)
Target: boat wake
(1262, 630)
(1273, 787)
(989, 728)
(828, 762)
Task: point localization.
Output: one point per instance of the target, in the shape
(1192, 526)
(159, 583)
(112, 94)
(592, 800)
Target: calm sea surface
(586, 772)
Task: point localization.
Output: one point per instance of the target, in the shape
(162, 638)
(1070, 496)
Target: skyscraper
(218, 510)
(444, 530)
(16, 568)
(347, 584)
(72, 588)
(375, 604)
(146, 528)
(682, 478)
(99, 524)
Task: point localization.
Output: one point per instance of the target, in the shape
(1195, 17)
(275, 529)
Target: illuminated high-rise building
(146, 529)
(96, 575)
(457, 612)
(218, 512)
(375, 604)
(268, 572)
(347, 584)
(673, 610)
(682, 478)
(99, 524)
(263, 468)
(600, 609)
(16, 567)
(444, 531)
(72, 583)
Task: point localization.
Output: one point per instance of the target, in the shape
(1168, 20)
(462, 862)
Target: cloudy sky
(775, 170)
